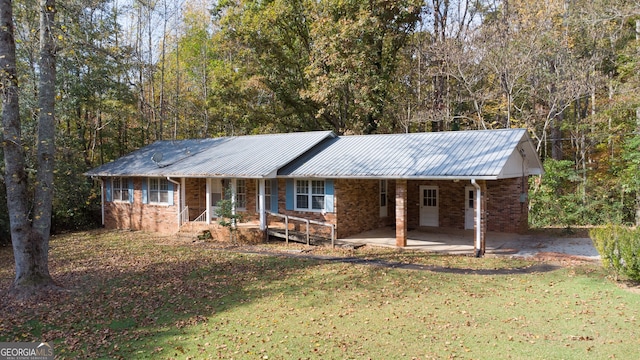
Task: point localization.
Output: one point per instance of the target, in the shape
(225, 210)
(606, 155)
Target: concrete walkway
(454, 241)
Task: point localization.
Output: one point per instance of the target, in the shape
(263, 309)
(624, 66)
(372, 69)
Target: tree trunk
(638, 131)
(638, 190)
(30, 239)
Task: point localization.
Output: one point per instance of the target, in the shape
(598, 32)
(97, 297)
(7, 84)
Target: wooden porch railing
(307, 223)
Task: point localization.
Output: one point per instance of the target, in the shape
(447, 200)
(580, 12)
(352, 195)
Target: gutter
(178, 189)
(478, 218)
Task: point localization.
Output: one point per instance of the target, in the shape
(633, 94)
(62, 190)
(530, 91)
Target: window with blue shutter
(310, 195)
(160, 191)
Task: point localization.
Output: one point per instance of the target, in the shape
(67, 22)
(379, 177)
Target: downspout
(101, 196)
(179, 201)
(478, 217)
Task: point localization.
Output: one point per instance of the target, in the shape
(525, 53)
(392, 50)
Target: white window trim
(236, 193)
(267, 194)
(164, 203)
(124, 186)
(310, 195)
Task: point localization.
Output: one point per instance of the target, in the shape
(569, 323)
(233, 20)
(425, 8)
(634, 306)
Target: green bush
(619, 249)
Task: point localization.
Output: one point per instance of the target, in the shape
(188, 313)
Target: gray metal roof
(250, 156)
(482, 154)
(139, 163)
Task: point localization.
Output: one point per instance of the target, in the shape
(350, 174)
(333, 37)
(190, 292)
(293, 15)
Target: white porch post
(208, 199)
(183, 194)
(479, 238)
(261, 202)
(234, 191)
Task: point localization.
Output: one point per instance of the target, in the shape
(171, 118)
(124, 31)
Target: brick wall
(357, 205)
(451, 208)
(139, 216)
(311, 215)
(505, 212)
(195, 196)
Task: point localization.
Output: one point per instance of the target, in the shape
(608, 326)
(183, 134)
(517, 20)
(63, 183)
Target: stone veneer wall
(139, 216)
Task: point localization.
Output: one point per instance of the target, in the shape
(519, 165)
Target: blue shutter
(290, 190)
(274, 195)
(107, 184)
(170, 188)
(145, 195)
(328, 195)
(131, 190)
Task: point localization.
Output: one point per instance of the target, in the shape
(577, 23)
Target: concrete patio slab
(452, 241)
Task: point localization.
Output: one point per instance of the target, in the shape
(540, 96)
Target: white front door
(429, 205)
(469, 200)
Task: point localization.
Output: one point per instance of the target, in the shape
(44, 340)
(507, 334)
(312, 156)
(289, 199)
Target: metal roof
(139, 163)
(480, 154)
(249, 156)
(252, 156)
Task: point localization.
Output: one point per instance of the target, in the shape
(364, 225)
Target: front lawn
(134, 296)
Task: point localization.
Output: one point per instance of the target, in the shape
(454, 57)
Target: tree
(29, 234)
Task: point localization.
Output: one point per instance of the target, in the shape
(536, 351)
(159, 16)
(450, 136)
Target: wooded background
(133, 72)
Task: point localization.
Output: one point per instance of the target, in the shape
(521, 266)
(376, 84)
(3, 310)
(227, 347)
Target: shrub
(619, 249)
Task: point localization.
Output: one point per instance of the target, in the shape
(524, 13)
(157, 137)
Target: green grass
(133, 296)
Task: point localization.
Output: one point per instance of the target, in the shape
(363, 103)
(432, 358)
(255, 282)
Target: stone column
(401, 213)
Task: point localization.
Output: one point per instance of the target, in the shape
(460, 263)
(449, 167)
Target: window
(310, 195)
(241, 194)
(383, 193)
(120, 189)
(267, 194)
(158, 191)
(430, 197)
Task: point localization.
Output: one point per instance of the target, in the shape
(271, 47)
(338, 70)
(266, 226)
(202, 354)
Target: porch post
(183, 194)
(233, 201)
(401, 213)
(479, 225)
(261, 205)
(208, 199)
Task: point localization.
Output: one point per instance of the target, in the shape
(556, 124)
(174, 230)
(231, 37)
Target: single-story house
(459, 179)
